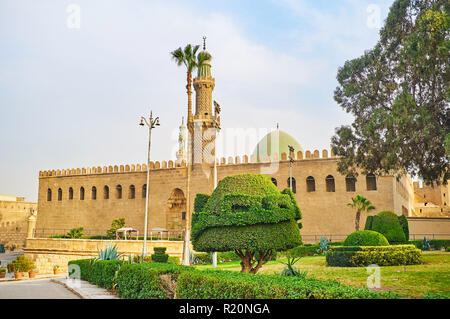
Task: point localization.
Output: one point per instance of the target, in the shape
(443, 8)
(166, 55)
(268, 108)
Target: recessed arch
(294, 184)
(119, 191)
(59, 194)
(106, 192)
(330, 184)
(70, 193)
(132, 192)
(350, 183)
(94, 193)
(81, 193)
(310, 184)
(371, 182)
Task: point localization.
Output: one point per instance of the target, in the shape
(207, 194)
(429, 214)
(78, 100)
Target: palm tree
(188, 57)
(361, 204)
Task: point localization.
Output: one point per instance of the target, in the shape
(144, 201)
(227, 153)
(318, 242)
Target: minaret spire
(204, 43)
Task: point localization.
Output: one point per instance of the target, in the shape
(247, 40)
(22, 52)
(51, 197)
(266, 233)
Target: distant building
(14, 215)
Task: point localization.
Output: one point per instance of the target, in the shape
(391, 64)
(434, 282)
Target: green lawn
(411, 281)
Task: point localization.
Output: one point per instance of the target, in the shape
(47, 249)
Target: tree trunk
(358, 216)
(189, 93)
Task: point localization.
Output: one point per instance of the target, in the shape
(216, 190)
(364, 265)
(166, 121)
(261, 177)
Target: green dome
(265, 147)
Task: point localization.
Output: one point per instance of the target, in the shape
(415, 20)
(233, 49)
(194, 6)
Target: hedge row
(161, 281)
(234, 285)
(100, 272)
(357, 256)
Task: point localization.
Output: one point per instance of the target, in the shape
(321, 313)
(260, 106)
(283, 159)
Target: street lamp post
(151, 123)
(291, 160)
(216, 128)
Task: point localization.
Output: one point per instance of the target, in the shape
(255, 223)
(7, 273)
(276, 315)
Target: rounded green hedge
(366, 238)
(388, 224)
(246, 212)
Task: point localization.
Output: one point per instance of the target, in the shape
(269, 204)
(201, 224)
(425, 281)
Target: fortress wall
(421, 226)
(14, 222)
(323, 212)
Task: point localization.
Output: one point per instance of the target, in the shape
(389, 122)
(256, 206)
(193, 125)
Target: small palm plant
(290, 270)
(361, 204)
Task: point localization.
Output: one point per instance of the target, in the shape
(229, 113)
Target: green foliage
(75, 233)
(109, 253)
(366, 238)
(160, 256)
(323, 243)
(115, 225)
(388, 224)
(85, 269)
(434, 244)
(234, 285)
(20, 264)
(426, 244)
(398, 93)
(145, 281)
(404, 223)
(301, 251)
(279, 237)
(358, 256)
(290, 270)
(200, 202)
(103, 272)
(246, 205)
(361, 204)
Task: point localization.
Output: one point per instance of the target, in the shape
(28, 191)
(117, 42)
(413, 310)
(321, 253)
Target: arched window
(310, 184)
(59, 194)
(294, 186)
(371, 182)
(330, 184)
(70, 193)
(81, 193)
(49, 195)
(350, 183)
(274, 181)
(94, 193)
(144, 191)
(106, 192)
(132, 192)
(118, 191)
(183, 215)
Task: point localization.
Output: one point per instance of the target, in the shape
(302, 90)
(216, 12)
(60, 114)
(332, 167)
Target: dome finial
(204, 42)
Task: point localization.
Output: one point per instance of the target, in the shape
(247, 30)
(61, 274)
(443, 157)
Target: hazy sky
(72, 97)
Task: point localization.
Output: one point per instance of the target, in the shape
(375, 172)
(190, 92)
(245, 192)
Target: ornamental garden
(256, 230)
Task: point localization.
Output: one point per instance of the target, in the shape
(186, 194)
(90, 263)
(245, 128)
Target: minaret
(181, 154)
(204, 119)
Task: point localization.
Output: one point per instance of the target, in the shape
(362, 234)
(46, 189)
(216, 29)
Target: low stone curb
(86, 290)
(63, 275)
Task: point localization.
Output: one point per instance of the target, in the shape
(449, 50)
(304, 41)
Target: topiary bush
(388, 224)
(160, 256)
(366, 238)
(249, 215)
(359, 256)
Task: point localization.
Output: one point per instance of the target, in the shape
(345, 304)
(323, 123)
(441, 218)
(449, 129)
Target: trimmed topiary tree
(366, 238)
(249, 215)
(388, 224)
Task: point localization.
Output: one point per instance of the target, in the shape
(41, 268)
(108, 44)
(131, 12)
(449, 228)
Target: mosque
(94, 196)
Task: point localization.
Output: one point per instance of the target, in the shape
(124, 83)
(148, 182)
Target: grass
(433, 276)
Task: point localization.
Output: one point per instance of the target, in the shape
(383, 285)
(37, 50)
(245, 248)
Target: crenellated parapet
(237, 160)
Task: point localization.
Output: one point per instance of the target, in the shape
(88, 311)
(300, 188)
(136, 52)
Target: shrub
(148, 281)
(104, 271)
(200, 202)
(75, 233)
(234, 285)
(160, 256)
(366, 238)
(20, 264)
(388, 224)
(301, 251)
(85, 268)
(115, 225)
(357, 256)
(404, 223)
(247, 214)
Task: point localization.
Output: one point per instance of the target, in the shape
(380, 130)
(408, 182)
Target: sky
(76, 76)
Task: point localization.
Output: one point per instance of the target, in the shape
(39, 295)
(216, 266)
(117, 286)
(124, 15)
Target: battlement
(237, 160)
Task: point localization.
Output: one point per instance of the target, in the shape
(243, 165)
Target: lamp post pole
(216, 128)
(151, 125)
(291, 160)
